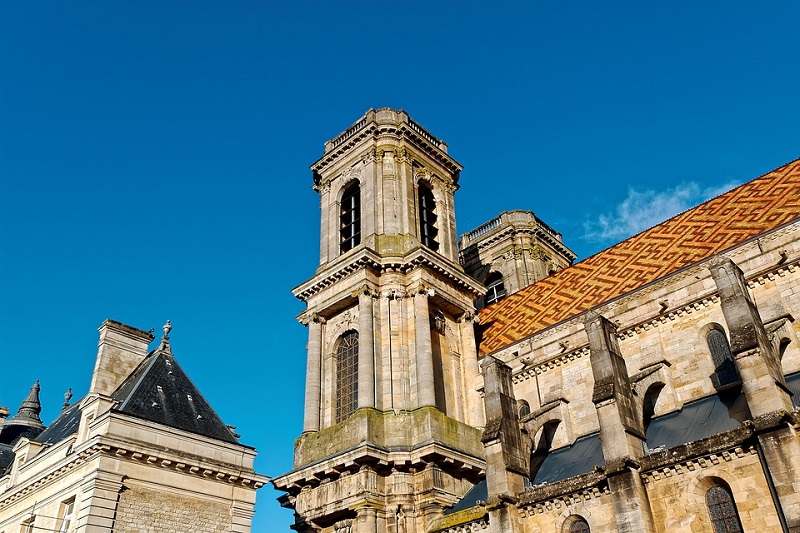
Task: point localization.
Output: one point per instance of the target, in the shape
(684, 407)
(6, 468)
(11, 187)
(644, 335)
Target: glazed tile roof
(740, 214)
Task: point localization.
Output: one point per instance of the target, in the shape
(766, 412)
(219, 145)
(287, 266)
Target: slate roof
(732, 218)
(62, 427)
(160, 391)
(6, 458)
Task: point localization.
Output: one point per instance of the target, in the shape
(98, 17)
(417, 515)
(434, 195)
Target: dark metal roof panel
(571, 461)
(699, 419)
(478, 493)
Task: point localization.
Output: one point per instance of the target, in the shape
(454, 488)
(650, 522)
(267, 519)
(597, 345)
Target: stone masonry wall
(141, 510)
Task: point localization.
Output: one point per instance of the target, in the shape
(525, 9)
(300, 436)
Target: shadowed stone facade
(650, 388)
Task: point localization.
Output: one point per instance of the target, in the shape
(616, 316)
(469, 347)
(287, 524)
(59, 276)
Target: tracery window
(722, 357)
(346, 375)
(496, 288)
(721, 508)
(524, 408)
(427, 218)
(350, 218)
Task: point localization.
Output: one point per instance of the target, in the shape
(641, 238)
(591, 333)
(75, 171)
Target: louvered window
(350, 218)
(427, 218)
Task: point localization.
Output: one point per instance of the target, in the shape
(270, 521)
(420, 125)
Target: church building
(490, 383)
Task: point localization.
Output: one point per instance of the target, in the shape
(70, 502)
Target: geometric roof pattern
(729, 219)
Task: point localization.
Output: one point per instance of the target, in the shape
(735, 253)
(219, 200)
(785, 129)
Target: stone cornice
(404, 459)
(368, 259)
(381, 123)
(537, 231)
(539, 499)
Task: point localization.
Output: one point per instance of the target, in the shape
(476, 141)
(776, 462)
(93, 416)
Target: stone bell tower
(392, 408)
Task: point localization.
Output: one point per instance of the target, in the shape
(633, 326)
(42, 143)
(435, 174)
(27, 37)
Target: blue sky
(154, 157)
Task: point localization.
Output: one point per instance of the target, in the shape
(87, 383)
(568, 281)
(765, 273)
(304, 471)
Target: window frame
(346, 357)
(728, 520)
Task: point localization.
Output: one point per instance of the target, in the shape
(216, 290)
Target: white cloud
(641, 210)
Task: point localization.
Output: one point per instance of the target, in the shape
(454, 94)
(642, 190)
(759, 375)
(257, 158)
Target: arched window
(722, 357)
(722, 510)
(346, 375)
(350, 218)
(575, 524)
(497, 289)
(427, 218)
(524, 408)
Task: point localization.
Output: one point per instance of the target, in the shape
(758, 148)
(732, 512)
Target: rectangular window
(67, 514)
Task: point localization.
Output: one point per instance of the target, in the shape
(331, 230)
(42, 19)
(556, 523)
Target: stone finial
(165, 347)
(67, 398)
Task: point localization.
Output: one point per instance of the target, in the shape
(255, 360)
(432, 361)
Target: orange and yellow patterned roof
(753, 208)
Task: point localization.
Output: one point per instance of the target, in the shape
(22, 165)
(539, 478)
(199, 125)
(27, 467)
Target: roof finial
(67, 398)
(28, 413)
(165, 347)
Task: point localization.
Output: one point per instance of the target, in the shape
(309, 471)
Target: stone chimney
(120, 350)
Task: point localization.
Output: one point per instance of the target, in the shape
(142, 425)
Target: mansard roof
(160, 391)
(716, 225)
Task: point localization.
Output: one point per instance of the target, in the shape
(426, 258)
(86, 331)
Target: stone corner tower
(392, 418)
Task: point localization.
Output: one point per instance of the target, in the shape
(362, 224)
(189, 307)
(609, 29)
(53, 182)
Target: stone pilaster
(621, 432)
(313, 375)
(97, 504)
(472, 378)
(366, 350)
(426, 391)
(366, 520)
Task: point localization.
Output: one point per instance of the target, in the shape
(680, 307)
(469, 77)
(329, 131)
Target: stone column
(475, 415)
(426, 391)
(313, 375)
(366, 520)
(621, 432)
(366, 350)
(324, 190)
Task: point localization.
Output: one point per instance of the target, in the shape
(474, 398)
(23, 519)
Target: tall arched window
(346, 375)
(350, 218)
(722, 510)
(427, 218)
(496, 288)
(722, 357)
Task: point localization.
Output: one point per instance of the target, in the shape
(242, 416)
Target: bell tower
(392, 418)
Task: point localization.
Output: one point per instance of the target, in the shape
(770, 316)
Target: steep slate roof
(740, 214)
(62, 427)
(160, 391)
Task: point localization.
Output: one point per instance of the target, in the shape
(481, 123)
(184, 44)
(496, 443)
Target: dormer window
(427, 218)
(350, 218)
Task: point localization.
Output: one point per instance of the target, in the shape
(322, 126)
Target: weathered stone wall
(678, 494)
(141, 510)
